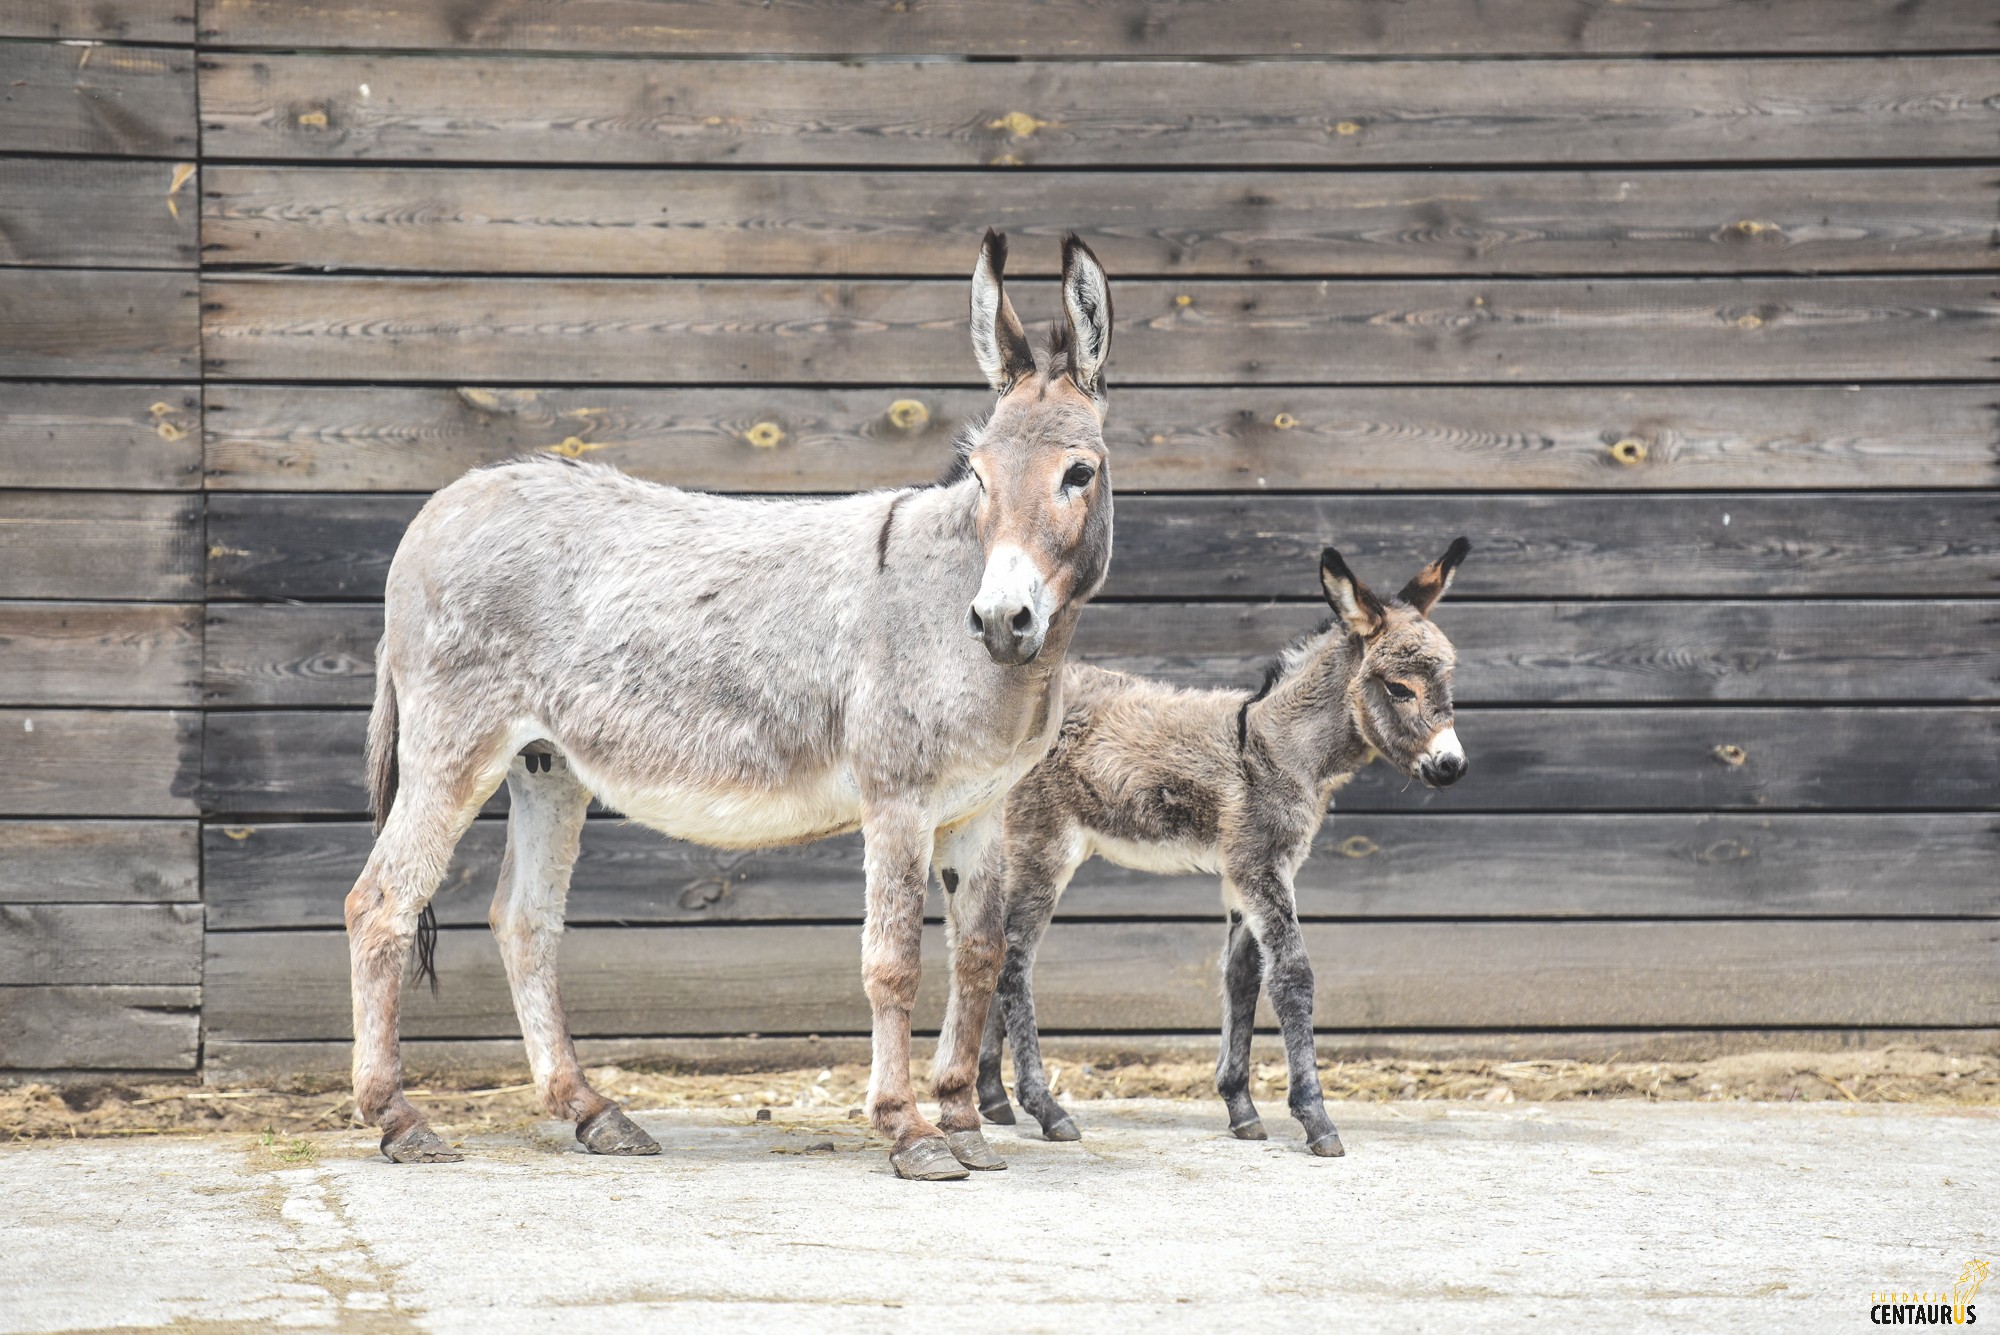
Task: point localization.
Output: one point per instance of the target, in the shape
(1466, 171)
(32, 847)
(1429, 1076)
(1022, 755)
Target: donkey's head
(1044, 512)
(1401, 697)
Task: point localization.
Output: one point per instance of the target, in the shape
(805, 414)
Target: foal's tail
(382, 795)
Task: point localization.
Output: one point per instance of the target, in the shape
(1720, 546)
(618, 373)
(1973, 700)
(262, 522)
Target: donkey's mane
(1280, 665)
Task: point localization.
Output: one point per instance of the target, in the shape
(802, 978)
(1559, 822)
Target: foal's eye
(1398, 692)
(1079, 476)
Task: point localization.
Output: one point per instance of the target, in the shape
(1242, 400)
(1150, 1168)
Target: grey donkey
(1166, 780)
(741, 673)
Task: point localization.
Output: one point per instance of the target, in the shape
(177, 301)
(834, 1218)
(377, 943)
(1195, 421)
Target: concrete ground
(1725, 1217)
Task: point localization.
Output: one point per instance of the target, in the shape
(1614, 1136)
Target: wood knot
(704, 894)
(1630, 451)
(1184, 300)
(573, 447)
(313, 120)
(1347, 129)
(1358, 846)
(1018, 124)
(765, 435)
(1284, 421)
(1749, 320)
(1730, 754)
(1156, 439)
(238, 832)
(1725, 850)
(909, 415)
(1752, 227)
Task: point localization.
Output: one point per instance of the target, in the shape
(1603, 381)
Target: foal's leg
(439, 795)
(969, 864)
(898, 865)
(544, 826)
(1032, 900)
(993, 1103)
(1242, 974)
(1288, 976)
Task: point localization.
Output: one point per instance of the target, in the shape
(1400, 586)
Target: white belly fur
(1163, 859)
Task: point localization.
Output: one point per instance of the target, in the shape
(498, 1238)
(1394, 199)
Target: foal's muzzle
(1444, 763)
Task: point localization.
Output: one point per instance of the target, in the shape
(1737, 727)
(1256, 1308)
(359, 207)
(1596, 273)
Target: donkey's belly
(730, 817)
(1168, 859)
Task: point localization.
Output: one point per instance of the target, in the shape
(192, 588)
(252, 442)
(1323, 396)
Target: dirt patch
(1887, 1075)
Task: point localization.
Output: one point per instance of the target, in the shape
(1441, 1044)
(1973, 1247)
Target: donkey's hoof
(1063, 1128)
(927, 1160)
(1250, 1130)
(612, 1132)
(1328, 1146)
(970, 1148)
(419, 1144)
(1000, 1114)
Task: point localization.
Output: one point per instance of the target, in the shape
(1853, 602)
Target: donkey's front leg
(968, 863)
(1242, 975)
(1288, 977)
(898, 865)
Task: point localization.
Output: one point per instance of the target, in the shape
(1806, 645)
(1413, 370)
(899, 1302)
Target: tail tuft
(427, 944)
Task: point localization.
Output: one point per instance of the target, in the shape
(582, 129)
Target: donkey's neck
(1305, 721)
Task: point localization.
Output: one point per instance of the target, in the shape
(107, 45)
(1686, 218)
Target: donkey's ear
(1087, 306)
(1351, 600)
(998, 340)
(1430, 583)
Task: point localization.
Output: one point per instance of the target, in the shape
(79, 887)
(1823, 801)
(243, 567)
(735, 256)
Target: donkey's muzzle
(1442, 771)
(1012, 632)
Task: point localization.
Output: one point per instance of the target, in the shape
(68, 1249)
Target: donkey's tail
(382, 795)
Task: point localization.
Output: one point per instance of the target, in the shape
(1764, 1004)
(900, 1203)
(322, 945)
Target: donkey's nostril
(1024, 619)
(973, 623)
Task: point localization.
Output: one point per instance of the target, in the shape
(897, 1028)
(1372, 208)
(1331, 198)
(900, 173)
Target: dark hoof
(1000, 1114)
(927, 1160)
(970, 1148)
(419, 1144)
(612, 1132)
(1328, 1146)
(1063, 1129)
(1250, 1130)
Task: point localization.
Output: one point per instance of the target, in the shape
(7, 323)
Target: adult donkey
(741, 673)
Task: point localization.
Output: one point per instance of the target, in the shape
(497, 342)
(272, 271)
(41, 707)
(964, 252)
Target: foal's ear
(1352, 601)
(1087, 306)
(998, 340)
(1430, 583)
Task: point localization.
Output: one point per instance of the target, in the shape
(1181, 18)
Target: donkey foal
(1166, 780)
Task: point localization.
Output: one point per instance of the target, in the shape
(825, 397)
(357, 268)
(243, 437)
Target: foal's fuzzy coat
(1166, 780)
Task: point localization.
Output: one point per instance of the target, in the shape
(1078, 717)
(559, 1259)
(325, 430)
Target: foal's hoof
(612, 1132)
(927, 1160)
(1328, 1146)
(1000, 1114)
(1063, 1129)
(970, 1148)
(1250, 1130)
(419, 1144)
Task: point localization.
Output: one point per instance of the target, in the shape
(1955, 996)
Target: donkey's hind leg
(544, 827)
(993, 1102)
(1036, 878)
(439, 795)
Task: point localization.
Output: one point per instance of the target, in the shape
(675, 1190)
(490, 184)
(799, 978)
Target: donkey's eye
(1398, 692)
(1078, 476)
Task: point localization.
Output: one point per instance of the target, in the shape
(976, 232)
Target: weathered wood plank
(66, 944)
(100, 1028)
(1198, 332)
(133, 215)
(118, 101)
(1134, 976)
(1262, 224)
(91, 861)
(1582, 759)
(824, 113)
(1508, 653)
(99, 322)
(1040, 28)
(76, 762)
(1364, 866)
(105, 20)
(100, 653)
(100, 545)
(122, 437)
(1169, 547)
(1500, 438)
(502, 1061)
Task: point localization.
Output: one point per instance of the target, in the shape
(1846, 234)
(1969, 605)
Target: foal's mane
(1279, 665)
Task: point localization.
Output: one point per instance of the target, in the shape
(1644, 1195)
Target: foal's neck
(1305, 722)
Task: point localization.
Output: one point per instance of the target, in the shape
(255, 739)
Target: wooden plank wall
(1687, 317)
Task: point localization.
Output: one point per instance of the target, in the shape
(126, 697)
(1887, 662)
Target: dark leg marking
(1242, 972)
(993, 1103)
(950, 879)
